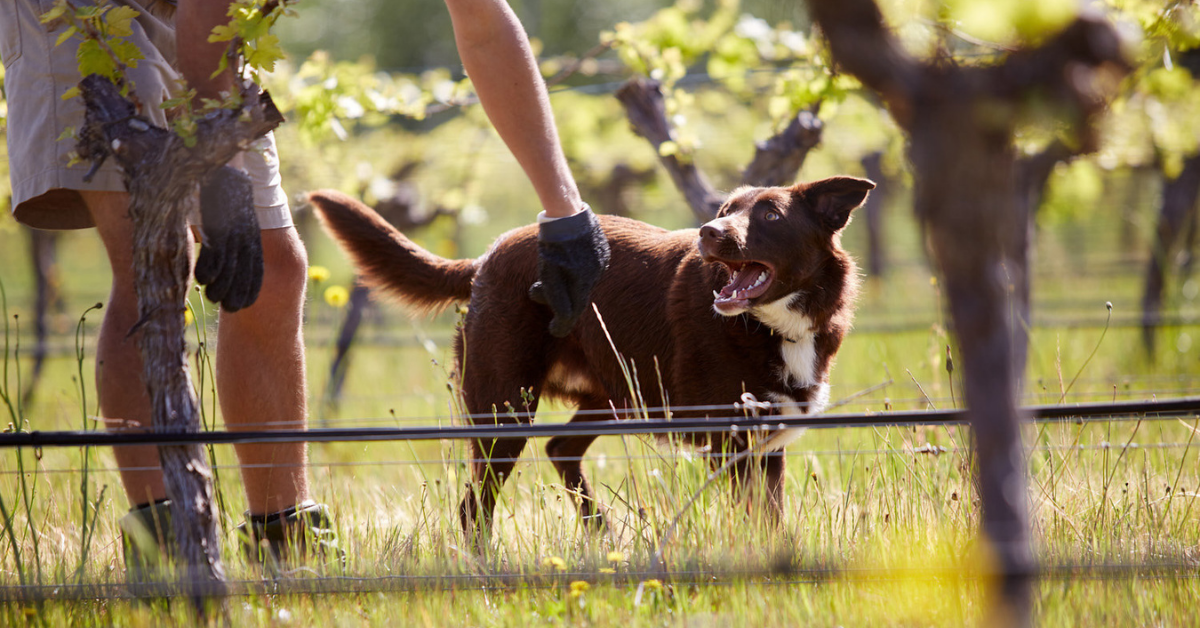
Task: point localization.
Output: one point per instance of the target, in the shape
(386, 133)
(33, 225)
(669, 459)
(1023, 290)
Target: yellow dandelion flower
(580, 586)
(616, 557)
(337, 296)
(607, 570)
(318, 273)
(555, 563)
(652, 584)
(188, 317)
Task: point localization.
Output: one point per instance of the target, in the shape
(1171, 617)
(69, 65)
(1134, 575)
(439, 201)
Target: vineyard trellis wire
(924, 449)
(1143, 410)
(787, 571)
(780, 576)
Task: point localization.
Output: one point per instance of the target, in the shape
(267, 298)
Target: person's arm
(496, 55)
(572, 249)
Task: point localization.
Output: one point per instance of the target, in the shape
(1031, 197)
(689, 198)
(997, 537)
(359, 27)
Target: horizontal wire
(865, 324)
(1120, 411)
(878, 397)
(928, 449)
(509, 581)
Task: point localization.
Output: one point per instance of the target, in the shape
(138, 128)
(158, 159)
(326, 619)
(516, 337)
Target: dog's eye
(771, 215)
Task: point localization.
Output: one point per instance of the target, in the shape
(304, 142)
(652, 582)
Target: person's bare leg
(260, 376)
(124, 402)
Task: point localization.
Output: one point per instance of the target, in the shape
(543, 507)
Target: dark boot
(295, 533)
(149, 541)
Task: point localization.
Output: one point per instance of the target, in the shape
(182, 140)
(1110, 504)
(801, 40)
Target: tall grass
(879, 525)
(87, 505)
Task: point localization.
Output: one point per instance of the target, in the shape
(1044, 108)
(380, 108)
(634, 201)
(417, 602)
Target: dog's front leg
(773, 468)
(757, 482)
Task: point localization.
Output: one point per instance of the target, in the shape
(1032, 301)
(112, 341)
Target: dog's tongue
(750, 281)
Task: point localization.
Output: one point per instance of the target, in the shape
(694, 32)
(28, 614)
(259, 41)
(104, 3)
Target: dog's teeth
(716, 295)
(761, 278)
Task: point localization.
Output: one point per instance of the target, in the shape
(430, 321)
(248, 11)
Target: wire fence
(781, 572)
(519, 425)
(1073, 315)
(780, 575)
(925, 449)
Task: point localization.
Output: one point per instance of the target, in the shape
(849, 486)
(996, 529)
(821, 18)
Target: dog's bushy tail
(386, 259)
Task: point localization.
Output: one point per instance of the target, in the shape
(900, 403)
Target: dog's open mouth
(747, 280)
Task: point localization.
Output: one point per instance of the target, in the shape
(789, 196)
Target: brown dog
(757, 300)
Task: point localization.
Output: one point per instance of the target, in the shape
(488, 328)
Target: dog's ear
(834, 198)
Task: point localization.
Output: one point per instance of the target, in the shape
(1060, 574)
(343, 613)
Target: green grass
(901, 524)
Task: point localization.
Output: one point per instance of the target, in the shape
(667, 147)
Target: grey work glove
(231, 255)
(572, 254)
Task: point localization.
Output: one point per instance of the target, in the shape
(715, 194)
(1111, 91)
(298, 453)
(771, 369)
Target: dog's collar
(781, 335)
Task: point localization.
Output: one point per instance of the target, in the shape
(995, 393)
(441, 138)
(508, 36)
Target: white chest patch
(799, 348)
(799, 351)
(789, 407)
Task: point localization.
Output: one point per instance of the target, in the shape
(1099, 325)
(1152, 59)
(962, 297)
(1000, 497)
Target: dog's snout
(711, 232)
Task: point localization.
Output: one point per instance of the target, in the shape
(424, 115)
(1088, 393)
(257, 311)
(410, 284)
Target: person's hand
(231, 256)
(572, 254)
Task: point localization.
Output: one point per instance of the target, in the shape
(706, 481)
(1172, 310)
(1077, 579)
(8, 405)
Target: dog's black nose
(711, 232)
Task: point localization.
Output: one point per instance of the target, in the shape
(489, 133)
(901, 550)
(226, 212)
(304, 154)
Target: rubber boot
(296, 533)
(148, 541)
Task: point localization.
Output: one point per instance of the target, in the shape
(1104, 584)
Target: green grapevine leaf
(55, 12)
(265, 52)
(222, 32)
(94, 60)
(67, 34)
(119, 21)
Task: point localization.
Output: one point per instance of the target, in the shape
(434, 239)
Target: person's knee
(110, 213)
(285, 264)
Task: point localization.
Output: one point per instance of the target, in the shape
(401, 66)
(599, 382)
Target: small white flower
(752, 27)
(350, 107)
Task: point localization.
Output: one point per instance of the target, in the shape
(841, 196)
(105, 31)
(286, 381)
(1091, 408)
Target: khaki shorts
(37, 73)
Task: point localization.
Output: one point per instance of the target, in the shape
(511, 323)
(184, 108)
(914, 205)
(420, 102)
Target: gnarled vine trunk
(1177, 209)
(961, 123)
(161, 174)
(776, 160)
